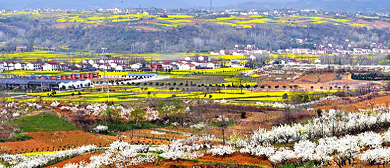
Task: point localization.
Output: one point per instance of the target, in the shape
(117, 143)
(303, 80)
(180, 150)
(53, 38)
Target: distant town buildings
(21, 48)
(45, 84)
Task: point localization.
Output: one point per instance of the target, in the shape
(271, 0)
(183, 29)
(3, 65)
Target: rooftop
(35, 81)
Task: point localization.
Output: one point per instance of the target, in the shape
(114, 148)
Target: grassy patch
(216, 163)
(43, 123)
(20, 136)
(308, 164)
(129, 126)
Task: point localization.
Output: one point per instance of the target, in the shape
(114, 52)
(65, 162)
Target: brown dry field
(253, 121)
(77, 159)
(367, 104)
(317, 81)
(235, 159)
(23, 146)
(138, 140)
(146, 28)
(51, 141)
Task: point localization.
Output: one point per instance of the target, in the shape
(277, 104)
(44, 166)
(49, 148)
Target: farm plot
(43, 122)
(53, 141)
(68, 138)
(77, 159)
(137, 140)
(314, 78)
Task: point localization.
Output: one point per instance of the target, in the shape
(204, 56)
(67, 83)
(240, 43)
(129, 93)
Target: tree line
(198, 37)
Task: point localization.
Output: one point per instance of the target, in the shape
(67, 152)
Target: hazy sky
(340, 5)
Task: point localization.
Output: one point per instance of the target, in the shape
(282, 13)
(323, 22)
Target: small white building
(119, 68)
(91, 62)
(136, 66)
(167, 66)
(20, 66)
(70, 84)
(252, 57)
(236, 64)
(213, 65)
(34, 66)
(113, 65)
(51, 66)
(186, 66)
(9, 66)
(107, 67)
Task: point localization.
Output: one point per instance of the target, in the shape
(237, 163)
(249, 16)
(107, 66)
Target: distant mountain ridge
(92, 4)
(332, 5)
(328, 5)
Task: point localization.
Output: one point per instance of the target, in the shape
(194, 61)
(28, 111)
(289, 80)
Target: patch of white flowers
(332, 123)
(199, 126)
(101, 128)
(222, 118)
(14, 110)
(292, 106)
(367, 146)
(55, 104)
(123, 154)
(184, 149)
(152, 114)
(222, 150)
(99, 110)
(21, 161)
(34, 105)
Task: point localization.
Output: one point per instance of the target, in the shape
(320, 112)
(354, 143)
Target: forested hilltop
(170, 33)
(183, 39)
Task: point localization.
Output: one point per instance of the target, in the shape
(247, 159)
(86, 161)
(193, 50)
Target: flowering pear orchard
(180, 87)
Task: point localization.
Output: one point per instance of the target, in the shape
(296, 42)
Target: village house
(20, 66)
(118, 61)
(199, 64)
(235, 64)
(213, 65)
(119, 68)
(166, 65)
(33, 66)
(300, 51)
(157, 67)
(136, 66)
(64, 66)
(21, 48)
(51, 66)
(9, 66)
(361, 50)
(105, 66)
(183, 66)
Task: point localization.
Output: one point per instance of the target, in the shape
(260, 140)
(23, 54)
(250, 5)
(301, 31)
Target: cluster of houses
(332, 67)
(241, 50)
(189, 63)
(308, 51)
(120, 64)
(33, 66)
(251, 50)
(114, 64)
